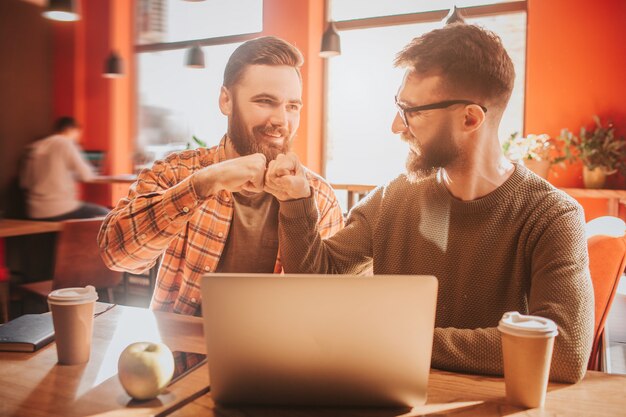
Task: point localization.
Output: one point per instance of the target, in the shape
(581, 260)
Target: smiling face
(263, 110)
(430, 133)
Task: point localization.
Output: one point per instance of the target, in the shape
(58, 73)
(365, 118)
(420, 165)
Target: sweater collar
(504, 192)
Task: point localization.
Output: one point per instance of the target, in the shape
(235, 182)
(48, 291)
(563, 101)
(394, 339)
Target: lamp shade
(63, 10)
(331, 43)
(454, 16)
(194, 57)
(113, 66)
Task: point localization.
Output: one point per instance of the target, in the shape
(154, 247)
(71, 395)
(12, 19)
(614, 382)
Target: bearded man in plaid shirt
(206, 210)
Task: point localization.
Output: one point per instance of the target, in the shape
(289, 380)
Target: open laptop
(319, 340)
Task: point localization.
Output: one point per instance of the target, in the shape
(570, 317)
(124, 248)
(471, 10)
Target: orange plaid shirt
(163, 215)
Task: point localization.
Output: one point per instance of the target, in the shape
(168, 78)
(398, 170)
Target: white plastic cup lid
(75, 295)
(517, 324)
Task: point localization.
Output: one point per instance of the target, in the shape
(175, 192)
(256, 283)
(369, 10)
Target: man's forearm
(304, 251)
(138, 230)
(475, 351)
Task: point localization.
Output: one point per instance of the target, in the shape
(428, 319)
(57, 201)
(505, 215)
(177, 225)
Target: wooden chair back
(77, 259)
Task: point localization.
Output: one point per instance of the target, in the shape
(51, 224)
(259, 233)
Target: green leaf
(200, 142)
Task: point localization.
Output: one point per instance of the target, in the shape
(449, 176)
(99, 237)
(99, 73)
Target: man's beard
(423, 161)
(248, 143)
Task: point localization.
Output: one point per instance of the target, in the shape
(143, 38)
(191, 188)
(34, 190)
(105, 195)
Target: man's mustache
(271, 130)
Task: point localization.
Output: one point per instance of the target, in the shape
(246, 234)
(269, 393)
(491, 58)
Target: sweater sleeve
(560, 290)
(304, 250)
(142, 225)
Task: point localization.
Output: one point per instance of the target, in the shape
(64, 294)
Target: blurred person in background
(51, 169)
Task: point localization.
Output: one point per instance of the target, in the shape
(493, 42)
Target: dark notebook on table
(27, 333)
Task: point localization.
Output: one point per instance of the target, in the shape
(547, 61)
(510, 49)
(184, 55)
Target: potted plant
(534, 151)
(600, 152)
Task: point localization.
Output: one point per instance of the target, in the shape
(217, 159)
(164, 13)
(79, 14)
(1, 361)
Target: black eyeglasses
(439, 105)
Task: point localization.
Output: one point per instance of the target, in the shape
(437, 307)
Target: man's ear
(226, 101)
(474, 117)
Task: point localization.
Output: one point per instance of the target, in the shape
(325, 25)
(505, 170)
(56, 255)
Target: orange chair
(606, 241)
(77, 261)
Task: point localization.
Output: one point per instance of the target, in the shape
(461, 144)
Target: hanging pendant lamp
(194, 57)
(62, 10)
(331, 43)
(454, 16)
(113, 66)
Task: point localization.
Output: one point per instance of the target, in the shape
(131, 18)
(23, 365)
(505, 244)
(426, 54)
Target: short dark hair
(471, 60)
(266, 50)
(64, 123)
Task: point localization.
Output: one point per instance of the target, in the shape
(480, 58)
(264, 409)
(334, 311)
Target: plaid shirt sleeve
(142, 225)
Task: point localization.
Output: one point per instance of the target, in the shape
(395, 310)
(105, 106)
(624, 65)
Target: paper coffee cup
(527, 343)
(72, 315)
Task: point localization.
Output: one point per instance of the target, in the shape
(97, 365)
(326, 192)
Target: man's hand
(285, 178)
(234, 175)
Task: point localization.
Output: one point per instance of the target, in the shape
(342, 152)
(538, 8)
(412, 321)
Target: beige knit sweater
(522, 247)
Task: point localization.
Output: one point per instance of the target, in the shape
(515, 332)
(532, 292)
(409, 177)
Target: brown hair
(63, 123)
(470, 59)
(267, 50)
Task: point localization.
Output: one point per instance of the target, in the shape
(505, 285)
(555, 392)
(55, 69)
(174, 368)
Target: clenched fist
(285, 178)
(244, 173)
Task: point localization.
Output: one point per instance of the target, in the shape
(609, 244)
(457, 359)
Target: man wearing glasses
(497, 237)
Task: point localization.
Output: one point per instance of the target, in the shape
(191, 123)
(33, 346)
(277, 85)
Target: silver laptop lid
(324, 340)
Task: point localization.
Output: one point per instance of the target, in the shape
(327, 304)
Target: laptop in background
(319, 340)
(96, 159)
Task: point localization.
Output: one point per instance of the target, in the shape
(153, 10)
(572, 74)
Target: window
(360, 147)
(176, 102)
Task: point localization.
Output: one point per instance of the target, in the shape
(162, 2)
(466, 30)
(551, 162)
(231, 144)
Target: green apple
(145, 369)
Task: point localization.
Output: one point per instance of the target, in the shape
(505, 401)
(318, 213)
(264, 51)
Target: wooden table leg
(350, 199)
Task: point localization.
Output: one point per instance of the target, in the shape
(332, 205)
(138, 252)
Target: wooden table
(13, 227)
(32, 384)
(460, 395)
(614, 197)
(113, 179)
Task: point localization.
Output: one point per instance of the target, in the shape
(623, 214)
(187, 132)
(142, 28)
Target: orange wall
(63, 73)
(122, 105)
(575, 68)
(94, 94)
